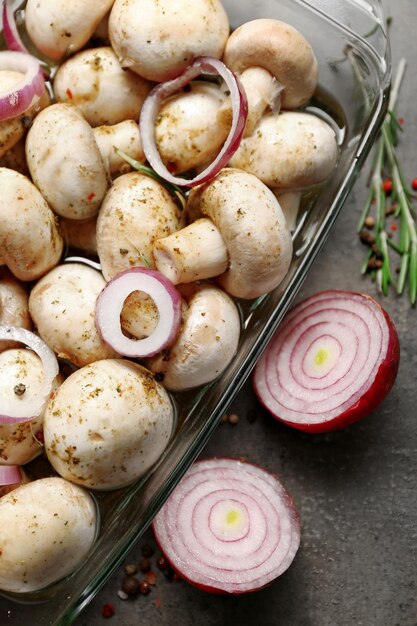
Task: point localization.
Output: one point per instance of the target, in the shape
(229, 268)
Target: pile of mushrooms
(128, 283)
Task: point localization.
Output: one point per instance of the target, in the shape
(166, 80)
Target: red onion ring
(110, 303)
(20, 409)
(21, 96)
(228, 527)
(10, 32)
(152, 105)
(9, 475)
(333, 360)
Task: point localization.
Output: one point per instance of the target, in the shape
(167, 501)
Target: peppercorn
(108, 610)
(366, 237)
(233, 419)
(224, 418)
(370, 222)
(19, 389)
(150, 578)
(144, 587)
(374, 264)
(161, 563)
(414, 184)
(159, 377)
(130, 585)
(130, 569)
(378, 255)
(391, 209)
(147, 551)
(387, 186)
(144, 565)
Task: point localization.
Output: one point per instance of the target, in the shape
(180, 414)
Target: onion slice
(10, 32)
(333, 360)
(228, 527)
(9, 475)
(152, 105)
(110, 303)
(21, 96)
(21, 409)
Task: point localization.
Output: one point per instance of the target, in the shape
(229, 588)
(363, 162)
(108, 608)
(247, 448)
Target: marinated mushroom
(206, 344)
(30, 240)
(108, 424)
(291, 150)
(14, 310)
(48, 527)
(159, 38)
(59, 27)
(65, 162)
(126, 137)
(95, 83)
(62, 306)
(136, 211)
(237, 233)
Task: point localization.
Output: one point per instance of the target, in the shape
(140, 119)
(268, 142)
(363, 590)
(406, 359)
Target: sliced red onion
(228, 527)
(110, 303)
(333, 360)
(21, 409)
(9, 475)
(10, 32)
(21, 96)
(152, 106)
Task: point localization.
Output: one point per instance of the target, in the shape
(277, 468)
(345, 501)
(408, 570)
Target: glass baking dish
(350, 41)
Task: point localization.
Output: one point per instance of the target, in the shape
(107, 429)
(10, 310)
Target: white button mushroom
(30, 241)
(159, 38)
(290, 202)
(206, 344)
(124, 136)
(288, 59)
(136, 211)
(108, 424)
(48, 527)
(95, 83)
(62, 305)
(245, 232)
(14, 309)
(186, 130)
(80, 235)
(59, 27)
(65, 162)
(21, 375)
(291, 150)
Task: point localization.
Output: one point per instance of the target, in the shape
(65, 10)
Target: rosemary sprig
(397, 201)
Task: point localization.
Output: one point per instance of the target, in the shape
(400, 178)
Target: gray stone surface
(355, 490)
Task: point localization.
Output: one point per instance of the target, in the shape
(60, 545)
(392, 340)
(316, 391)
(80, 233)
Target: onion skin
(371, 399)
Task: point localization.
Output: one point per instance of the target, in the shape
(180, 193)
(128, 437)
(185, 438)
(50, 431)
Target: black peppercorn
(144, 565)
(161, 563)
(144, 587)
(130, 585)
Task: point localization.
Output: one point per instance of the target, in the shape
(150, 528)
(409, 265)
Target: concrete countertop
(355, 489)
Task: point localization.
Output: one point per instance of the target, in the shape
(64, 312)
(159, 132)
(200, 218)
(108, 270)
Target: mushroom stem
(263, 91)
(289, 202)
(193, 253)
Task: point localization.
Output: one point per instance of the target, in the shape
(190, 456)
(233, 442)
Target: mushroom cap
(48, 527)
(95, 83)
(108, 423)
(136, 211)
(206, 344)
(62, 305)
(253, 228)
(126, 137)
(14, 309)
(291, 150)
(158, 39)
(280, 49)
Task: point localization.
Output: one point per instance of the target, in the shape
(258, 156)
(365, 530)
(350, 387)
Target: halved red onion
(228, 527)
(22, 95)
(110, 303)
(9, 475)
(332, 361)
(10, 32)
(20, 409)
(152, 105)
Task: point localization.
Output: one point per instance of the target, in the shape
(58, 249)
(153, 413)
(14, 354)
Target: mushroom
(291, 150)
(271, 57)
(48, 528)
(12, 130)
(108, 424)
(158, 39)
(65, 162)
(80, 235)
(59, 27)
(14, 309)
(186, 130)
(62, 305)
(30, 240)
(126, 137)
(21, 374)
(239, 235)
(289, 202)
(206, 344)
(95, 83)
(136, 211)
